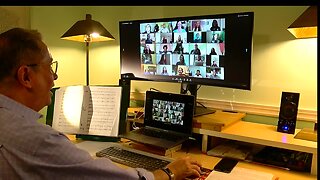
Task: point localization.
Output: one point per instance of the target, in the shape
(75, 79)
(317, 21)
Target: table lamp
(306, 25)
(87, 31)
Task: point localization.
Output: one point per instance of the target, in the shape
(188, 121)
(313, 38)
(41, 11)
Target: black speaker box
(288, 112)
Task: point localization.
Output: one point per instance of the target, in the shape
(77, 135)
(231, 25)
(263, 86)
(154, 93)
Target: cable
(135, 118)
(201, 104)
(199, 87)
(154, 89)
(136, 113)
(134, 126)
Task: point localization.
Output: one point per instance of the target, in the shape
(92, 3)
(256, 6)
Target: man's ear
(24, 76)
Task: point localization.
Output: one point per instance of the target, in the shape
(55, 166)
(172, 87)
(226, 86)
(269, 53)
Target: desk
(262, 134)
(209, 161)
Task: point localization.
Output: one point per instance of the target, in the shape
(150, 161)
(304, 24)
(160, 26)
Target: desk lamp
(306, 25)
(87, 31)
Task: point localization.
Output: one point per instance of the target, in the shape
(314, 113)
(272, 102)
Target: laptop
(167, 120)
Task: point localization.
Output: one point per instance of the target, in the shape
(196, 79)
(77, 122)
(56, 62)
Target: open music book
(88, 110)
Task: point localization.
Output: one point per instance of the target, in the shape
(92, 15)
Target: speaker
(288, 112)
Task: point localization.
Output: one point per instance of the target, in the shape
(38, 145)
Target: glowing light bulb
(94, 35)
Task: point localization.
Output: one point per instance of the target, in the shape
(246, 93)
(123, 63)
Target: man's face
(44, 80)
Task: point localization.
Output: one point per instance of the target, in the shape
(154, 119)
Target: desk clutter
(292, 160)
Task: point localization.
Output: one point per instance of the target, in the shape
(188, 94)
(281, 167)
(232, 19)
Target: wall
(14, 16)
(279, 62)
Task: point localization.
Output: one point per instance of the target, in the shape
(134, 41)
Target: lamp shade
(306, 25)
(87, 30)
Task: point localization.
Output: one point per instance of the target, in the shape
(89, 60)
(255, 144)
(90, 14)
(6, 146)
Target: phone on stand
(225, 165)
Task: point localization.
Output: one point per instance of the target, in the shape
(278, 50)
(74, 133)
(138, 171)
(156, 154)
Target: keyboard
(132, 159)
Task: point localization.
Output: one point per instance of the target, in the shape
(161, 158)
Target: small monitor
(169, 111)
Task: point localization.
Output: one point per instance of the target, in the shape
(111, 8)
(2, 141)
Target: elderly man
(30, 150)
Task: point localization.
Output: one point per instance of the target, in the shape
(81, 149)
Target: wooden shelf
(262, 134)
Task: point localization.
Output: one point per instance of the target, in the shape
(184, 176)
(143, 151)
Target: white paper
(239, 173)
(67, 109)
(93, 110)
(105, 109)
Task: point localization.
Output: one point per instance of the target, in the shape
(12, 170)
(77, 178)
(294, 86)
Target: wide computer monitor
(213, 50)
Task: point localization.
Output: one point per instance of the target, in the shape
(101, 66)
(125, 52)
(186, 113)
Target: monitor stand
(198, 110)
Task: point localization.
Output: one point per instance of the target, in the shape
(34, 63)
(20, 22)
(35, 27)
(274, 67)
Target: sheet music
(93, 110)
(67, 109)
(104, 109)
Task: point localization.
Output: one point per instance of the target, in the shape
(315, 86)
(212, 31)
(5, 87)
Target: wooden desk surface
(208, 161)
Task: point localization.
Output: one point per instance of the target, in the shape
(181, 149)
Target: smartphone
(225, 165)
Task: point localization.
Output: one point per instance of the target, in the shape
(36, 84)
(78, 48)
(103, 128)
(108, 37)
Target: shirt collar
(18, 108)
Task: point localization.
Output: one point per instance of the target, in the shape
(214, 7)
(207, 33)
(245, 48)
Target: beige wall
(279, 62)
(14, 16)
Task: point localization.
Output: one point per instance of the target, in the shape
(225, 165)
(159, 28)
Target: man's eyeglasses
(54, 66)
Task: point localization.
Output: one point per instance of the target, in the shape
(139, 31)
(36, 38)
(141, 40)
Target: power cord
(200, 102)
(135, 118)
(202, 105)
